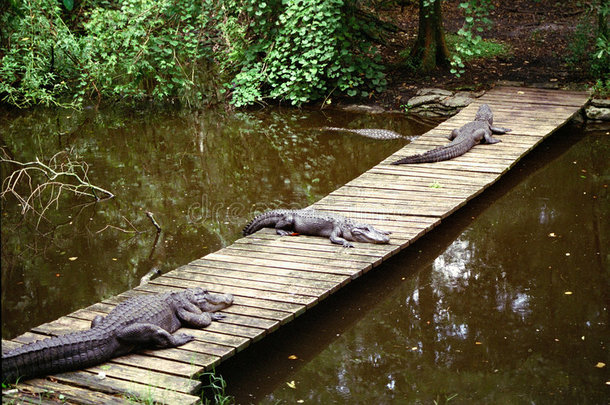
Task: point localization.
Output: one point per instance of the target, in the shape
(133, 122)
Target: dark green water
(505, 303)
(202, 175)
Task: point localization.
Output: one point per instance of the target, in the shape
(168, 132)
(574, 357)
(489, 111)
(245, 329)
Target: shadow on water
(504, 302)
(202, 175)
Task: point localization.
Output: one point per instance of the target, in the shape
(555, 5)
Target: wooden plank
(294, 298)
(270, 268)
(294, 309)
(279, 262)
(39, 388)
(167, 395)
(286, 244)
(315, 242)
(258, 276)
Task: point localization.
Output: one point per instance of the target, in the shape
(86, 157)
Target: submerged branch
(37, 186)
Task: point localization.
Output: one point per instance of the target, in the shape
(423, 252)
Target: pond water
(202, 175)
(505, 303)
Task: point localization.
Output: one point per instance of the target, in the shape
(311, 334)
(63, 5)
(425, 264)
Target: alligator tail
(265, 220)
(73, 351)
(436, 155)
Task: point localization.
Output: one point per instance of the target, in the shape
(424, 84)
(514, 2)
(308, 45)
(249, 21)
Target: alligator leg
(500, 130)
(335, 238)
(147, 334)
(285, 226)
(194, 319)
(96, 321)
(453, 134)
(486, 138)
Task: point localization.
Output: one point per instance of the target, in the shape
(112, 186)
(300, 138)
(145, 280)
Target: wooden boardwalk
(274, 279)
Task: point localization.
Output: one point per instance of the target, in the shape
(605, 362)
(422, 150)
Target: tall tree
(430, 47)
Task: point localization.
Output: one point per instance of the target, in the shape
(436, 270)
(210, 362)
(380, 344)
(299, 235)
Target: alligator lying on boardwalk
(463, 139)
(369, 133)
(139, 322)
(339, 229)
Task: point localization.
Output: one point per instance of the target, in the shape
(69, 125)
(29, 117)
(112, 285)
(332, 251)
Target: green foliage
(34, 49)
(146, 48)
(590, 45)
(301, 51)
(66, 52)
(482, 49)
(217, 386)
(470, 46)
(602, 88)
(136, 49)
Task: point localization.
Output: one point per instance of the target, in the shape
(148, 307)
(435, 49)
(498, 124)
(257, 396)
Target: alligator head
(367, 233)
(484, 114)
(207, 301)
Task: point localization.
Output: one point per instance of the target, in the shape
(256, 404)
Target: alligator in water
(339, 229)
(462, 140)
(370, 133)
(145, 321)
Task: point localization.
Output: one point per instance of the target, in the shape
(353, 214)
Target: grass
(485, 49)
(215, 389)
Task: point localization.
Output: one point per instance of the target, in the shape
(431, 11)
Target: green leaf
(69, 4)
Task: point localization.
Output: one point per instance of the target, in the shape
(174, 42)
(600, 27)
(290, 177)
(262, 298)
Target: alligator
(462, 140)
(339, 229)
(382, 134)
(145, 321)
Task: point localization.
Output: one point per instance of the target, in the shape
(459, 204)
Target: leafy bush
(590, 44)
(301, 51)
(132, 49)
(471, 45)
(67, 53)
(35, 44)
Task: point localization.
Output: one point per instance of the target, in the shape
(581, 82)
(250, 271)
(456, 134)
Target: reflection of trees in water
(490, 319)
(202, 175)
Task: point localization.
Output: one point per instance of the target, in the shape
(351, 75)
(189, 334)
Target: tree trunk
(430, 47)
(602, 22)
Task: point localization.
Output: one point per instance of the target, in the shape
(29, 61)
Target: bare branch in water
(44, 183)
(154, 222)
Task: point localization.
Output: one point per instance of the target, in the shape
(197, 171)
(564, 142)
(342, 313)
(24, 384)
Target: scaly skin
(462, 140)
(139, 322)
(338, 229)
(382, 134)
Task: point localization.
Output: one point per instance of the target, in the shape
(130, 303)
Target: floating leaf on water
(478, 343)
(72, 258)
(552, 235)
(292, 384)
(292, 357)
(568, 293)
(600, 364)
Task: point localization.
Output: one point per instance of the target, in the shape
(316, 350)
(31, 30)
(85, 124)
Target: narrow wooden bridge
(274, 279)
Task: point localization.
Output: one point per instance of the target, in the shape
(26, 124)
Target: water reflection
(513, 310)
(201, 174)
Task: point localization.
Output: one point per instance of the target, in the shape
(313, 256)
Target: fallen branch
(151, 216)
(45, 182)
